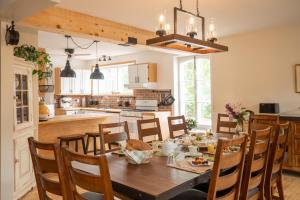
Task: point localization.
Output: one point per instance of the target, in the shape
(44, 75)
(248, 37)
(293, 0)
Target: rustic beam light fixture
(187, 42)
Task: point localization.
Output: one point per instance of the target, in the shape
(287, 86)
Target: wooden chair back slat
(43, 166)
(47, 165)
(230, 196)
(256, 163)
(228, 181)
(255, 181)
(144, 132)
(231, 159)
(232, 180)
(52, 186)
(173, 127)
(112, 137)
(80, 178)
(225, 126)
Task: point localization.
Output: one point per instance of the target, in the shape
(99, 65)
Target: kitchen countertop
(108, 110)
(77, 117)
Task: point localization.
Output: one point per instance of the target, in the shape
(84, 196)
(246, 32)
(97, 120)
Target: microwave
(272, 108)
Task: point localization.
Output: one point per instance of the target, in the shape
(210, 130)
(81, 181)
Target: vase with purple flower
(236, 113)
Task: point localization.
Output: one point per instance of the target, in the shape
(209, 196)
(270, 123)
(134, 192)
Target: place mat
(186, 166)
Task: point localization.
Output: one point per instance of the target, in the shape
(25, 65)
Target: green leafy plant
(40, 58)
(191, 123)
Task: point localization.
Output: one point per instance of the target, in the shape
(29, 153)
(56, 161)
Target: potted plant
(191, 124)
(40, 58)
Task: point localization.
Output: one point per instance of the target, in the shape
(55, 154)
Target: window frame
(179, 109)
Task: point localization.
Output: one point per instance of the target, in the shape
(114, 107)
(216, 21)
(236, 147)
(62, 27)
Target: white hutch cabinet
(23, 127)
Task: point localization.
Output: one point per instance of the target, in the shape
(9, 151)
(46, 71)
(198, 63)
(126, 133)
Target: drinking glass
(171, 159)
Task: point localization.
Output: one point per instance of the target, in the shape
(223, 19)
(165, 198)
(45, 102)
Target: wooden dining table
(152, 181)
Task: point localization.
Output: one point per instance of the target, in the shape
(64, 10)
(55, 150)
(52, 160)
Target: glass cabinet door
(22, 98)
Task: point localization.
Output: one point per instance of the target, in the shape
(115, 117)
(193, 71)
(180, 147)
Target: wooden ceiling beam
(63, 21)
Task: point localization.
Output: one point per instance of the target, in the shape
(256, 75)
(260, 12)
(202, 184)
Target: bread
(137, 145)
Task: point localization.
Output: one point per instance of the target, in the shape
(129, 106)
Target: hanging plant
(40, 58)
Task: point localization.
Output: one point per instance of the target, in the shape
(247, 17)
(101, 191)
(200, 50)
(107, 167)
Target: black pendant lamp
(68, 72)
(96, 74)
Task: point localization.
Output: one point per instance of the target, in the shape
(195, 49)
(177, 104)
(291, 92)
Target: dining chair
(90, 174)
(224, 125)
(263, 119)
(49, 171)
(223, 185)
(149, 127)
(92, 136)
(177, 123)
(256, 164)
(113, 137)
(75, 138)
(275, 163)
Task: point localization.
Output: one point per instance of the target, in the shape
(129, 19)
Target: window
(115, 77)
(194, 90)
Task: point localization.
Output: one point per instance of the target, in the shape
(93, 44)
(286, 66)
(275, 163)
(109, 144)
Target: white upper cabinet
(143, 73)
(142, 76)
(79, 85)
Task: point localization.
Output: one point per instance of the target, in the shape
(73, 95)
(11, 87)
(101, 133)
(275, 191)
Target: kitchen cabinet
(142, 75)
(23, 127)
(293, 145)
(81, 84)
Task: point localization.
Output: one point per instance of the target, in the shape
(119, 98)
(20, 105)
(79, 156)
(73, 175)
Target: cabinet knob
(16, 161)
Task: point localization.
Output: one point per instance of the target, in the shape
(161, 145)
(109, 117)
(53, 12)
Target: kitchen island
(63, 125)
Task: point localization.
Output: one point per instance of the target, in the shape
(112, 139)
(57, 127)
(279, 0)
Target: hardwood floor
(291, 189)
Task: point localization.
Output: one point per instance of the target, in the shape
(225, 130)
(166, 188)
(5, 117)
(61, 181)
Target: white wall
(6, 135)
(164, 65)
(259, 67)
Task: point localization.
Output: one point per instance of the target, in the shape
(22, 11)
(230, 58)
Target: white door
(132, 74)
(142, 70)
(24, 176)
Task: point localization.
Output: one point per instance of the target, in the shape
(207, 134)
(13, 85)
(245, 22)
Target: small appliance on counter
(272, 108)
(43, 111)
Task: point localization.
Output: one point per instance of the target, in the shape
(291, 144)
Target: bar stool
(93, 136)
(73, 138)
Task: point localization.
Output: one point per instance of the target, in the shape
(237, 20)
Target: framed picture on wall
(297, 78)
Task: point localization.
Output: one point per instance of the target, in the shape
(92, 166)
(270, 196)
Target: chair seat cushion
(191, 195)
(92, 196)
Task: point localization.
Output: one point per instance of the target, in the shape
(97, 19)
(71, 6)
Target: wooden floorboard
(291, 189)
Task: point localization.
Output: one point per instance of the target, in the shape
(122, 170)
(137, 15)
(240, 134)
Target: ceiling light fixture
(68, 72)
(187, 42)
(96, 74)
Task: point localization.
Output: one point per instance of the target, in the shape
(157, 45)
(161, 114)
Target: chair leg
(83, 146)
(280, 187)
(268, 191)
(95, 146)
(67, 143)
(76, 145)
(87, 144)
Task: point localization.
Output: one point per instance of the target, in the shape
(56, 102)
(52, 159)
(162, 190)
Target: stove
(141, 106)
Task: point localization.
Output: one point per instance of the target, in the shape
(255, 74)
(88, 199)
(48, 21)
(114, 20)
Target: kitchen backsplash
(118, 101)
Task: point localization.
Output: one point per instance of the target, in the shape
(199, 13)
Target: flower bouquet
(236, 113)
